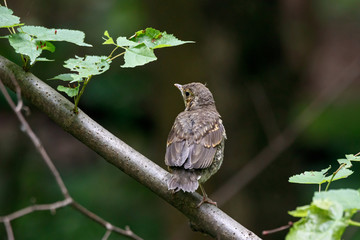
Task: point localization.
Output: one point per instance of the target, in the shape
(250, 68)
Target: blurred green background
(265, 63)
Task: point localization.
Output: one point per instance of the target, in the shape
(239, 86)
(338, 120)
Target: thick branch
(207, 218)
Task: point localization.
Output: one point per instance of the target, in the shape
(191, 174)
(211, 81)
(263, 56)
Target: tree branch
(68, 199)
(36, 207)
(9, 230)
(207, 218)
(17, 110)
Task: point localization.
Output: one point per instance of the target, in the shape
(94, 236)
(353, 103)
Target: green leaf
(108, 39)
(71, 92)
(310, 177)
(327, 217)
(24, 44)
(346, 161)
(348, 198)
(124, 42)
(44, 60)
(318, 225)
(342, 173)
(53, 34)
(352, 157)
(300, 211)
(155, 39)
(138, 55)
(34, 40)
(90, 65)
(47, 46)
(69, 77)
(7, 19)
(331, 209)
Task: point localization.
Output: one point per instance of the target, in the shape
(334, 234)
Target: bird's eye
(187, 93)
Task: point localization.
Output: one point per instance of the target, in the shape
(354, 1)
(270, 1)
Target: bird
(195, 144)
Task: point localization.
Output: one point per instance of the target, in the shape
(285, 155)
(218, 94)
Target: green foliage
(138, 55)
(153, 39)
(31, 41)
(319, 177)
(310, 177)
(327, 216)
(24, 44)
(71, 92)
(7, 19)
(46, 34)
(330, 212)
(85, 67)
(139, 49)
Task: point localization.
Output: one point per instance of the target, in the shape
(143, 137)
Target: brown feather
(195, 144)
(196, 147)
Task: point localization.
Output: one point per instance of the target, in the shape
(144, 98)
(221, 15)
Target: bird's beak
(179, 86)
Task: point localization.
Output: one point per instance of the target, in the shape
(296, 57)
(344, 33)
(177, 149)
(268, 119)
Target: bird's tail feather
(183, 180)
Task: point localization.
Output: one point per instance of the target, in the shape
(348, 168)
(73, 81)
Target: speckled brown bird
(195, 145)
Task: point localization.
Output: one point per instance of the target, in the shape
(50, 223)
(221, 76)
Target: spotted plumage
(195, 145)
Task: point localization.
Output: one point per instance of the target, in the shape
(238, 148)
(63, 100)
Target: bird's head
(195, 95)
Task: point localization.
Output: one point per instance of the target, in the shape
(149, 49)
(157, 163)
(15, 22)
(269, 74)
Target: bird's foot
(206, 200)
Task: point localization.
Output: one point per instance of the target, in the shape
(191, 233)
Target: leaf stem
(11, 30)
(117, 56)
(81, 92)
(333, 175)
(26, 65)
(354, 223)
(112, 52)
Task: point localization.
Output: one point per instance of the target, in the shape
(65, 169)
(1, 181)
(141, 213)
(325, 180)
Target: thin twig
(282, 228)
(9, 230)
(208, 219)
(106, 235)
(111, 59)
(77, 99)
(37, 207)
(103, 222)
(112, 52)
(53, 206)
(333, 175)
(353, 223)
(36, 141)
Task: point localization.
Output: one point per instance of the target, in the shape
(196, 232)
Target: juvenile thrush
(195, 145)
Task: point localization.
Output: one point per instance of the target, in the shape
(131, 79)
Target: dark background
(271, 66)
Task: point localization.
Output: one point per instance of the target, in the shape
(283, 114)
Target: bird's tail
(183, 180)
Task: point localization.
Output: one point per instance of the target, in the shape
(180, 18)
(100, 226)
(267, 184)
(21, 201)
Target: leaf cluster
(330, 212)
(31, 41)
(139, 48)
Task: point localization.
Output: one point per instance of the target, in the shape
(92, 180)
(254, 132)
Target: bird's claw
(206, 200)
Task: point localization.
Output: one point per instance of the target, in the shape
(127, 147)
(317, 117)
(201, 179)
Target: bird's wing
(202, 153)
(194, 147)
(176, 150)
(177, 153)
